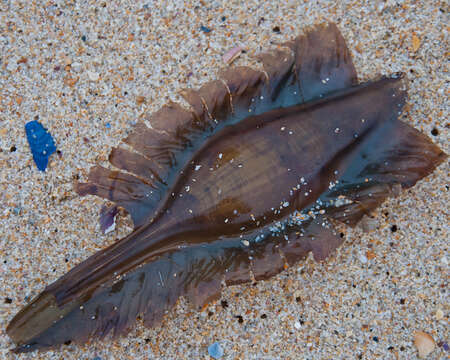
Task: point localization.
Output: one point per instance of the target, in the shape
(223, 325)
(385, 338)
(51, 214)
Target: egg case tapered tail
(237, 187)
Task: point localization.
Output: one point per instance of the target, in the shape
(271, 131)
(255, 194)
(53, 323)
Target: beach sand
(87, 70)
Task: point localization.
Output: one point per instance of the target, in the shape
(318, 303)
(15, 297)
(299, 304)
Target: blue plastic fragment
(205, 29)
(215, 350)
(41, 143)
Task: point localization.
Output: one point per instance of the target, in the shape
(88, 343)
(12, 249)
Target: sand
(88, 69)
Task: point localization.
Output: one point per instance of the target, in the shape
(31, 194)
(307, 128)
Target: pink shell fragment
(232, 54)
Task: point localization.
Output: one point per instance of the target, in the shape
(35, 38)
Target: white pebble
(76, 67)
(93, 76)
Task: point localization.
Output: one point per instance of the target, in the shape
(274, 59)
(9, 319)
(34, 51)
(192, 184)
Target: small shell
(232, 54)
(424, 343)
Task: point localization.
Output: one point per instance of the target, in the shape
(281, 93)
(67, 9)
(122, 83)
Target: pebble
(415, 43)
(424, 344)
(93, 76)
(363, 259)
(12, 65)
(76, 67)
(439, 314)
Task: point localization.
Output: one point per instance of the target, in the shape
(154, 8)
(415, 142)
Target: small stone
(415, 43)
(140, 100)
(12, 65)
(215, 350)
(424, 343)
(22, 60)
(70, 81)
(77, 67)
(93, 76)
(439, 314)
